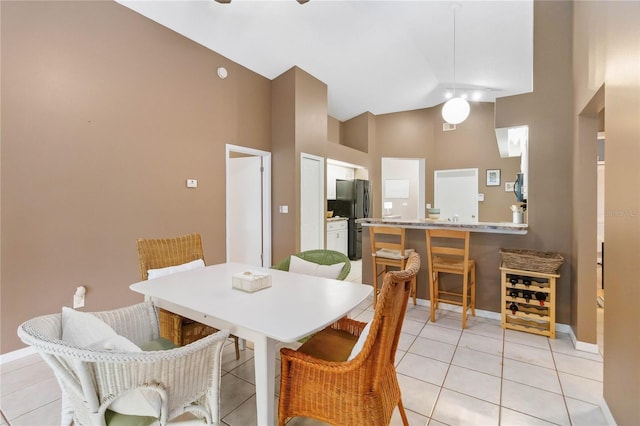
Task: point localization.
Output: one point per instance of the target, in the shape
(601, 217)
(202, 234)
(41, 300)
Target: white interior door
(456, 194)
(248, 206)
(312, 204)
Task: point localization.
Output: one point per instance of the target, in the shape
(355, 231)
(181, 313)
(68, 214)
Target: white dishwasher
(337, 238)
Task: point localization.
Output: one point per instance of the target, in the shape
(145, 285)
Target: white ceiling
(376, 56)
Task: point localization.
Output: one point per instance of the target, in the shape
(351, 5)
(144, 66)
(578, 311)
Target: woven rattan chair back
(164, 252)
(360, 391)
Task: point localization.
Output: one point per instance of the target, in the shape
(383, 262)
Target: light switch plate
(508, 186)
(192, 183)
(480, 197)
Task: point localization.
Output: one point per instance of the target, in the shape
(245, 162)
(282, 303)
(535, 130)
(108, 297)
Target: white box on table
(251, 281)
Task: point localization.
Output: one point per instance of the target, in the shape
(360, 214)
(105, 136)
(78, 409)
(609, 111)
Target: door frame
(321, 196)
(266, 198)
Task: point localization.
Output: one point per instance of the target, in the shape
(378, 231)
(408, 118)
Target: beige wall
(105, 115)
(334, 128)
(607, 53)
(283, 152)
(547, 111)
(100, 129)
(419, 134)
(473, 144)
(299, 125)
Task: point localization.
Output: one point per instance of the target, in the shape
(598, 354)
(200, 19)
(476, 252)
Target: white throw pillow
(88, 331)
(302, 266)
(360, 343)
(163, 272)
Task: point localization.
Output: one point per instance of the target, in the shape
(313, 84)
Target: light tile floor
(480, 376)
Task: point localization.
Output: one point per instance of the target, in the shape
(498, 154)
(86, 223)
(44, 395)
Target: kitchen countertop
(489, 227)
(335, 219)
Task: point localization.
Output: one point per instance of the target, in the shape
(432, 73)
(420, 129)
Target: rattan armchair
(321, 257)
(164, 252)
(326, 386)
(185, 379)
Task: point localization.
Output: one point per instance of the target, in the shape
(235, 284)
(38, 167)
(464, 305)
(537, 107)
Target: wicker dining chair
(321, 257)
(319, 381)
(179, 380)
(165, 252)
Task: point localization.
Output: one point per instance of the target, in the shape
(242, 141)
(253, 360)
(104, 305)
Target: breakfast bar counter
(491, 227)
(487, 238)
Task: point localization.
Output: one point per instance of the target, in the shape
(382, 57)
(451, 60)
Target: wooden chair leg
(375, 282)
(405, 422)
(433, 294)
(465, 299)
(473, 290)
(235, 341)
(414, 289)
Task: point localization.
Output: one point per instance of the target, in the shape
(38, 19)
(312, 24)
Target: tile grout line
(504, 337)
(564, 397)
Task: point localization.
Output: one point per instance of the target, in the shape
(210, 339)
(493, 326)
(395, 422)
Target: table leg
(265, 364)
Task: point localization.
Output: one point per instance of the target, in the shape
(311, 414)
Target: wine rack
(529, 301)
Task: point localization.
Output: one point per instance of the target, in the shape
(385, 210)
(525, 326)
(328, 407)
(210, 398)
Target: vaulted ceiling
(376, 56)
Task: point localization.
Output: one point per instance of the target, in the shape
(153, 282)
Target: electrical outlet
(78, 297)
(192, 183)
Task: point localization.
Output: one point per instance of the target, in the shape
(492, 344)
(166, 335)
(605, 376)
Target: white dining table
(293, 307)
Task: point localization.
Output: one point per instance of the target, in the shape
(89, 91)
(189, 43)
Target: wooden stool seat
(451, 260)
(387, 249)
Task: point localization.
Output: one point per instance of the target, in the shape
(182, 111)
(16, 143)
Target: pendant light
(456, 109)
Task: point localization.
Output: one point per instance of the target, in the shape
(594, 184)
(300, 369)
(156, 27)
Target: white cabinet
(337, 238)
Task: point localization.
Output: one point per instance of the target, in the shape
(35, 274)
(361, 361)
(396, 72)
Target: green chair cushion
(321, 257)
(116, 419)
(159, 344)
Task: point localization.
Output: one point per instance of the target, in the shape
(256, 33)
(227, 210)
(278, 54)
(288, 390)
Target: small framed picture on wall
(493, 177)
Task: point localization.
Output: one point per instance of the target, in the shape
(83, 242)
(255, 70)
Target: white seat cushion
(302, 266)
(360, 343)
(162, 272)
(393, 254)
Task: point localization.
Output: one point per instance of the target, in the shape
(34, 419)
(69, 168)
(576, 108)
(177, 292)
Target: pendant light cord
(454, 50)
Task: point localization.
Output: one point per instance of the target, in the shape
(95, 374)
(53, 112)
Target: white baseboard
(607, 413)
(15, 355)
(560, 328)
(455, 308)
(582, 346)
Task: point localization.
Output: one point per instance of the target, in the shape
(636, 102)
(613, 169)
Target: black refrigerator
(353, 202)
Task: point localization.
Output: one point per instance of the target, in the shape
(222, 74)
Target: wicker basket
(530, 260)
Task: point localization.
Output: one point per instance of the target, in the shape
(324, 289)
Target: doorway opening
(312, 203)
(248, 205)
(403, 192)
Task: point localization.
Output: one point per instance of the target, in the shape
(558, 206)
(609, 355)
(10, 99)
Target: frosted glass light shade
(455, 110)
